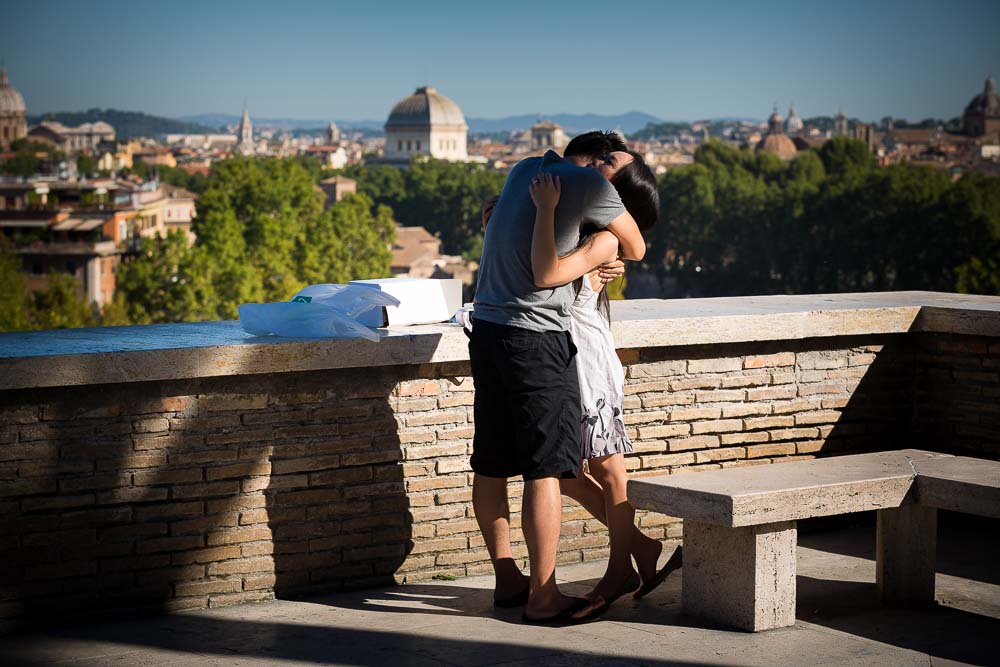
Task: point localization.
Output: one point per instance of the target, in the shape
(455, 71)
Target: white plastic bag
(351, 300)
(463, 316)
(317, 311)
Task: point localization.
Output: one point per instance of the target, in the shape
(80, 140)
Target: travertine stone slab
(740, 577)
(906, 553)
(784, 491)
(961, 484)
(109, 355)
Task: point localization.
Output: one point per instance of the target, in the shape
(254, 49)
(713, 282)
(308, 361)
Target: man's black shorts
(527, 408)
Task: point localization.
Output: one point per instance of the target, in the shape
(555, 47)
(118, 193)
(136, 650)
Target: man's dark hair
(636, 186)
(594, 144)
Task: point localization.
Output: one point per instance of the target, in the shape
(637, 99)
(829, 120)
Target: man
(527, 405)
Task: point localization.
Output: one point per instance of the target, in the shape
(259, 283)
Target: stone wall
(190, 493)
(957, 394)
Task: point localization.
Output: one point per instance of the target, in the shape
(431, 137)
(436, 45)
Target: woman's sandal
(565, 617)
(604, 604)
(673, 563)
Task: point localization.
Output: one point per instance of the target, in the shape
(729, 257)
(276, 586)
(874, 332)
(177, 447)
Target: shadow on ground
(839, 619)
(957, 555)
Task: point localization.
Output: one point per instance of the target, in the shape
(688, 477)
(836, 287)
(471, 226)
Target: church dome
(793, 123)
(776, 141)
(778, 144)
(774, 120)
(425, 108)
(986, 103)
(11, 101)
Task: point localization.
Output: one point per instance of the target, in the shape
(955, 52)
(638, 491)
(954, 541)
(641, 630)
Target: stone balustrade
(180, 466)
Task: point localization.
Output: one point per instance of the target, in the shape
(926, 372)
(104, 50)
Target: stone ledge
(111, 355)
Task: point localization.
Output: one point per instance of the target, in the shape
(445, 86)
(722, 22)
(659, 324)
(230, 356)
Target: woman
(605, 442)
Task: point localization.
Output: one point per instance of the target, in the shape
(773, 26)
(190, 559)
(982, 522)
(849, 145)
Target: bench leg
(905, 553)
(740, 577)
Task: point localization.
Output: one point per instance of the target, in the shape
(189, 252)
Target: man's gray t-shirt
(505, 291)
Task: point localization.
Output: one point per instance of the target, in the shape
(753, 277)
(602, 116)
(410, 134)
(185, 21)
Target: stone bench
(740, 525)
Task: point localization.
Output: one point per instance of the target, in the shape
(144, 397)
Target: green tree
(195, 182)
(443, 197)
(828, 221)
(262, 234)
(15, 303)
(975, 198)
(616, 288)
(808, 167)
(844, 157)
(116, 312)
(60, 305)
(149, 287)
(24, 163)
(265, 206)
(85, 164)
(30, 158)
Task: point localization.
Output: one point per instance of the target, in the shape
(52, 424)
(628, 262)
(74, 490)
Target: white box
(421, 301)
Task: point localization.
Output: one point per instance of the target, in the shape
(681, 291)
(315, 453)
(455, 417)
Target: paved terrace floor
(453, 623)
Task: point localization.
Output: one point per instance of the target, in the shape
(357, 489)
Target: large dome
(778, 144)
(425, 108)
(793, 123)
(11, 101)
(986, 103)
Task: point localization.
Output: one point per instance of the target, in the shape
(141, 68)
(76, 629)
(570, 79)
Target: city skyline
(908, 60)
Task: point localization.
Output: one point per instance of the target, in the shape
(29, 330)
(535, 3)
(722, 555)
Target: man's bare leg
(489, 500)
(541, 517)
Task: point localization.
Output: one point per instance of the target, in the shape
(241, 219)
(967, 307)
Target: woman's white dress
(602, 378)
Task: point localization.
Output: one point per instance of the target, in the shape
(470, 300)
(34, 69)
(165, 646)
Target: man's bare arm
(633, 246)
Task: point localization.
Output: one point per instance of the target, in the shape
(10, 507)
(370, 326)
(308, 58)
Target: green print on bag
(302, 299)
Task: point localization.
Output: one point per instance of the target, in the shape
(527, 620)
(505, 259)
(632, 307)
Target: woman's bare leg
(588, 493)
(626, 539)
(609, 471)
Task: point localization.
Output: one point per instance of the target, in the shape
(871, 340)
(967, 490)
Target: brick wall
(185, 494)
(957, 394)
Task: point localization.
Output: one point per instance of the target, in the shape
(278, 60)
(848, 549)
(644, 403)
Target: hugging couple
(549, 385)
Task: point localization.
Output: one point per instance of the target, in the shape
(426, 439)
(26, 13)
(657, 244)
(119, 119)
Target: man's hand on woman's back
(610, 270)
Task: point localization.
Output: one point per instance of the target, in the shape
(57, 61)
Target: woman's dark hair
(593, 144)
(636, 186)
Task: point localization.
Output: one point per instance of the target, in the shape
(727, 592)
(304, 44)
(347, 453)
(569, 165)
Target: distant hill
(223, 119)
(572, 123)
(127, 124)
(289, 124)
(717, 127)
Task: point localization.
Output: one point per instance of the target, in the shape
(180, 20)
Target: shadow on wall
(956, 394)
(937, 392)
(876, 414)
(162, 496)
(335, 499)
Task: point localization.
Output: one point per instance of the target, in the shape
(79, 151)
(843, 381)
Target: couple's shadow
(434, 598)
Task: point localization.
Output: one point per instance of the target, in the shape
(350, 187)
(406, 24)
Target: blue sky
(675, 60)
